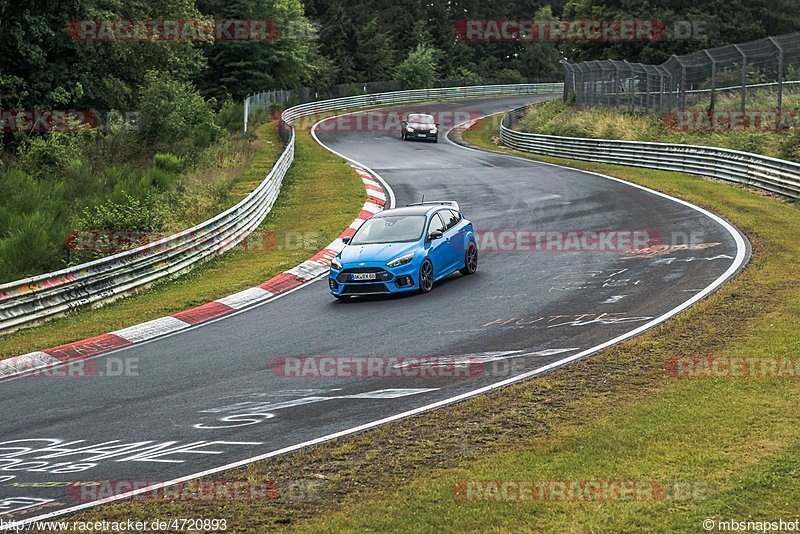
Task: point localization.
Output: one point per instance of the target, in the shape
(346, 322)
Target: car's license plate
(364, 276)
(422, 135)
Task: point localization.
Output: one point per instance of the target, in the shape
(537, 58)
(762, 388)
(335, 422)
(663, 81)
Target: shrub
(509, 76)
(173, 115)
(231, 116)
(168, 162)
(49, 155)
(28, 247)
(419, 69)
(132, 214)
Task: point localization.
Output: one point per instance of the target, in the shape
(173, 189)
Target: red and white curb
(304, 273)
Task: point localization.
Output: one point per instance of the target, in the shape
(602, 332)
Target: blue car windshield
(391, 229)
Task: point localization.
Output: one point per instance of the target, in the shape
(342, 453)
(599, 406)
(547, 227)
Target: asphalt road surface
(214, 396)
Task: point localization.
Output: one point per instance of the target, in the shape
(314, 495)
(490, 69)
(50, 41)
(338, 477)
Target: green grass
(558, 118)
(318, 182)
(615, 416)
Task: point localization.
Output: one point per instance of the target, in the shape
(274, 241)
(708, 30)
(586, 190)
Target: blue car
(405, 249)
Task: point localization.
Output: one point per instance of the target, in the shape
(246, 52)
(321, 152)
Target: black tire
(470, 260)
(436, 139)
(426, 277)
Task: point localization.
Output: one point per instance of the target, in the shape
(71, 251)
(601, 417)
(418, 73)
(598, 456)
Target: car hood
(378, 252)
(420, 126)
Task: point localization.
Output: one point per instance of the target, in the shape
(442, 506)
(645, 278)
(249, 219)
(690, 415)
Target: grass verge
(559, 118)
(318, 182)
(615, 416)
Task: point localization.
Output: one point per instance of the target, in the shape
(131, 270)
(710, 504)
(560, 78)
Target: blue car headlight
(402, 260)
(336, 264)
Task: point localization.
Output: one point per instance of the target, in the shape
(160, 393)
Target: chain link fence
(752, 75)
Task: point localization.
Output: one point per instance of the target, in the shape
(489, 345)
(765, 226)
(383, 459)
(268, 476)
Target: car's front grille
(381, 274)
(365, 288)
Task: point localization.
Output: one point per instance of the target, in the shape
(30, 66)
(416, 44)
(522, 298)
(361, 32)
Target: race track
(209, 397)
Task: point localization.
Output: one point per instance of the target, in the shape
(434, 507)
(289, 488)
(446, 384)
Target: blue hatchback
(405, 249)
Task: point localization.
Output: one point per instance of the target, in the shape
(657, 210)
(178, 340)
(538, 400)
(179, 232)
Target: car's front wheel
(470, 260)
(426, 276)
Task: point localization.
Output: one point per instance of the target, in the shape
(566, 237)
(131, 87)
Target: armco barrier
(771, 174)
(102, 280)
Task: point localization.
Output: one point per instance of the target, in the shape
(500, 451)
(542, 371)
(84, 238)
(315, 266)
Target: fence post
(246, 112)
(713, 82)
(744, 77)
(780, 75)
(682, 82)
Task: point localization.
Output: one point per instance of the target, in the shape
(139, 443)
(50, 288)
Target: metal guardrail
(395, 97)
(770, 174)
(47, 295)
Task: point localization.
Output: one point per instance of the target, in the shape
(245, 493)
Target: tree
(374, 53)
(44, 66)
(174, 115)
(419, 69)
(236, 69)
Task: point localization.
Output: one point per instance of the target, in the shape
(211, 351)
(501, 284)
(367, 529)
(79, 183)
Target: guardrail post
(246, 112)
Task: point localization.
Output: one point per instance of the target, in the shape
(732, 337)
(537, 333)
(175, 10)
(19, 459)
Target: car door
(457, 238)
(440, 253)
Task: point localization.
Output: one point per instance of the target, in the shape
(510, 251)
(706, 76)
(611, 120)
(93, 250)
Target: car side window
(436, 224)
(455, 218)
(449, 218)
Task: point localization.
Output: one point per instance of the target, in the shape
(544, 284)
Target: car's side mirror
(346, 240)
(435, 235)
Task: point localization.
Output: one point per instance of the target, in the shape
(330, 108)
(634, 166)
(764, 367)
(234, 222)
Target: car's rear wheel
(470, 260)
(426, 276)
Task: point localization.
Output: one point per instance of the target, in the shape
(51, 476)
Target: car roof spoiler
(452, 203)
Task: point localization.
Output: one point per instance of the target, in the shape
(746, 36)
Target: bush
(174, 116)
(509, 76)
(168, 162)
(132, 214)
(419, 69)
(28, 247)
(49, 155)
(231, 116)
(467, 76)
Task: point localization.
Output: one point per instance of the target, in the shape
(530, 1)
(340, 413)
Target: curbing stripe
(337, 246)
(203, 313)
(324, 256)
(86, 348)
(282, 282)
(308, 270)
(151, 329)
(26, 362)
(372, 207)
(239, 300)
(375, 194)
